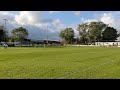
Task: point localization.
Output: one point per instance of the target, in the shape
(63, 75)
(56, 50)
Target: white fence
(117, 44)
(107, 43)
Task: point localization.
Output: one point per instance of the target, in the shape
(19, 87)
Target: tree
(91, 32)
(3, 35)
(68, 35)
(83, 32)
(19, 34)
(110, 34)
(95, 30)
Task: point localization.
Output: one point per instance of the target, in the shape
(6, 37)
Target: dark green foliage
(68, 35)
(82, 28)
(110, 34)
(95, 30)
(19, 34)
(3, 35)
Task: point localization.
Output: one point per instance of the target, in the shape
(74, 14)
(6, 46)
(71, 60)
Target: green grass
(60, 63)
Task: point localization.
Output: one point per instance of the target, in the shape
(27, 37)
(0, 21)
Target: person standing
(5, 45)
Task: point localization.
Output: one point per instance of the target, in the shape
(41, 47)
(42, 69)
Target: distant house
(47, 42)
(26, 41)
(54, 42)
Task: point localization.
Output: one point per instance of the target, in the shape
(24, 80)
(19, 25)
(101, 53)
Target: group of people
(5, 45)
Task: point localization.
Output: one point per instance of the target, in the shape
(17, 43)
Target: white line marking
(63, 76)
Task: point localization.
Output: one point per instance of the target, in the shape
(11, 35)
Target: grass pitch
(60, 63)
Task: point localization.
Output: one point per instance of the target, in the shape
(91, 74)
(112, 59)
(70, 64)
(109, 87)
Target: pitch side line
(63, 76)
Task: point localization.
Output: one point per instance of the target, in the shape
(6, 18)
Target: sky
(41, 23)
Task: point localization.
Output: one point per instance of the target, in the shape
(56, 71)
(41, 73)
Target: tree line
(89, 33)
(17, 35)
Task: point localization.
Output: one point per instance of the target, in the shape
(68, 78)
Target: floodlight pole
(5, 23)
(47, 35)
(5, 26)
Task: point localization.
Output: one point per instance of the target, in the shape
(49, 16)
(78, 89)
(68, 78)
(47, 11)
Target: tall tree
(3, 35)
(95, 30)
(68, 35)
(19, 34)
(110, 34)
(83, 32)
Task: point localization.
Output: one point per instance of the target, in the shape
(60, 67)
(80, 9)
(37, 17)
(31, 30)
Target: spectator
(5, 45)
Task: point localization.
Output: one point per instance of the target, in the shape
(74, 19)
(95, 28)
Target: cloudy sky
(40, 22)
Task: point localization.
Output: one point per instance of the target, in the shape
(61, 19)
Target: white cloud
(77, 13)
(6, 15)
(34, 22)
(112, 19)
(88, 20)
(51, 12)
(28, 17)
(108, 19)
(74, 27)
(58, 23)
(53, 29)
